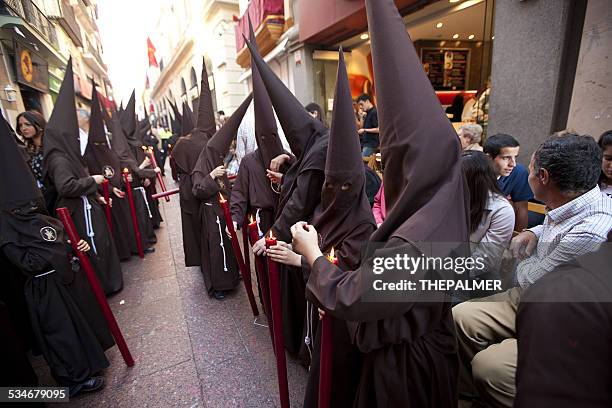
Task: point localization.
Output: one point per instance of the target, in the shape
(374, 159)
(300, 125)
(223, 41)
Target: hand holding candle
(107, 209)
(128, 189)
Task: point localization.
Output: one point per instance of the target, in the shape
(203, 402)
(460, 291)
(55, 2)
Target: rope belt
(43, 274)
(222, 245)
(88, 224)
(258, 220)
(144, 196)
(308, 340)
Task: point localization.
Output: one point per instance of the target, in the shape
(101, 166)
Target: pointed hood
(128, 116)
(121, 147)
(177, 120)
(17, 184)
(206, 124)
(217, 147)
(62, 130)
(344, 203)
(299, 127)
(424, 189)
(99, 157)
(266, 132)
(187, 122)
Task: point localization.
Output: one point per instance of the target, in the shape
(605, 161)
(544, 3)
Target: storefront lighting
(455, 1)
(455, 36)
(364, 36)
(442, 43)
(439, 25)
(471, 37)
(11, 93)
(493, 37)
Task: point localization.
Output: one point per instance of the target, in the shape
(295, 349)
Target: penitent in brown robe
(185, 155)
(408, 339)
(65, 167)
(219, 265)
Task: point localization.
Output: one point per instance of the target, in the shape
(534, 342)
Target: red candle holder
(107, 208)
(128, 189)
(326, 353)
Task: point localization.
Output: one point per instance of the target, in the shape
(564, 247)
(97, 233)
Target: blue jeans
(367, 151)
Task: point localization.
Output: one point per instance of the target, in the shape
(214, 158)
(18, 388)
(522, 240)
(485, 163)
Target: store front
(454, 40)
(32, 75)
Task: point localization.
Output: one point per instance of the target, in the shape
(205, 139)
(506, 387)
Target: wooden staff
(128, 189)
(160, 179)
(246, 275)
(165, 193)
(107, 208)
(64, 216)
(277, 318)
(245, 246)
(326, 352)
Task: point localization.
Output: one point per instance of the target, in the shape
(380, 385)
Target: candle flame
(332, 253)
(221, 198)
(270, 235)
(251, 220)
(144, 148)
(125, 170)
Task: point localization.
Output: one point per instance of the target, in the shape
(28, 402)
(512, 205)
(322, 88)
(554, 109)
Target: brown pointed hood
(424, 189)
(121, 147)
(62, 130)
(266, 132)
(177, 120)
(206, 124)
(299, 127)
(217, 147)
(128, 116)
(99, 157)
(187, 120)
(344, 203)
(17, 184)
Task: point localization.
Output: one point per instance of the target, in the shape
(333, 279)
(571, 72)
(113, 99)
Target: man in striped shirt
(563, 174)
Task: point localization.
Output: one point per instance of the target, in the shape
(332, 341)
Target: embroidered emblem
(49, 234)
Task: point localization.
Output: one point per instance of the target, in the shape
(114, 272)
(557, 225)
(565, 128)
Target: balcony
(65, 17)
(30, 13)
(268, 18)
(92, 57)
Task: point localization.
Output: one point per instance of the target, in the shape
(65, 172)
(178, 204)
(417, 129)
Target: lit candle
(270, 240)
(332, 257)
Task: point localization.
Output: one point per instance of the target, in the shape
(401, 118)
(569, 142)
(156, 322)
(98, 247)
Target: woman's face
(27, 130)
(606, 162)
(465, 139)
(314, 114)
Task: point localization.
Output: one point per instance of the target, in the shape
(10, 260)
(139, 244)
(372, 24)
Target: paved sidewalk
(190, 350)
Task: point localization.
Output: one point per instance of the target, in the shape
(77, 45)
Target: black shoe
(92, 384)
(149, 250)
(219, 294)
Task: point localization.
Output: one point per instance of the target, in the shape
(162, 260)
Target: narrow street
(190, 350)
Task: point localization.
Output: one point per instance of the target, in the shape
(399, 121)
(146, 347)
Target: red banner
(151, 53)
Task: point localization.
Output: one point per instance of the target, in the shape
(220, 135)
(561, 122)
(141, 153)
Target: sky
(124, 26)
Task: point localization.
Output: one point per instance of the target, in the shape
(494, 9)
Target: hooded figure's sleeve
(66, 183)
(28, 260)
(146, 173)
(301, 205)
(204, 186)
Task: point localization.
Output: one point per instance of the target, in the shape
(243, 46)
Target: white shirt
(574, 229)
(606, 189)
(83, 138)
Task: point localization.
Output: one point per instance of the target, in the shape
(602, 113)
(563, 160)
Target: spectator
(491, 215)
(470, 136)
(372, 184)
(456, 109)
(316, 111)
(512, 177)
(221, 118)
(83, 118)
(563, 173)
(379, 209)
(369, 125)
(605, 180)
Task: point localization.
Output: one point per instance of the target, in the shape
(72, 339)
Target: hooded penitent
(128, 116)
(266, 133)
(177, 120)
(187, 120)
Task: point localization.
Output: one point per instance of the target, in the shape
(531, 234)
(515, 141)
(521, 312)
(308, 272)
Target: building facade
(37, 37)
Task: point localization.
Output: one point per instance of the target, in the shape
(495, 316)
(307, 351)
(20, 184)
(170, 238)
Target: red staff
(246, 275)
(165, 193)
(325, 355)
(64, 216)
(279, 339)
(162, 185)
(245, 246)
(262, 276)
(107, 209)
(128, 188)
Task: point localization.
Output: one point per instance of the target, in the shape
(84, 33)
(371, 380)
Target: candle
(270, 240)
(246, 275)
(325, 355)
(332, 257)
(128, 188)
(107, 209)
(160, 179)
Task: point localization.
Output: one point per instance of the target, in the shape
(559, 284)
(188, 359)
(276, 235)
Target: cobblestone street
(190, 350)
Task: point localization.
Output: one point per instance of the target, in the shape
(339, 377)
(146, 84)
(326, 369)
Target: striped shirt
(574, 229)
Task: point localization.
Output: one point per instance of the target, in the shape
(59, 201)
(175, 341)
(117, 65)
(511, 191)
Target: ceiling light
(364, 36)
(439, 25)
(493, 37)
(455, 1)
(442, 43)
(455, 36)
(471, 36)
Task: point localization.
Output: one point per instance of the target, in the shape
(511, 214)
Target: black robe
(68, 325)
(16, 368)
(71, 189)
(156, 218)
(219, 265)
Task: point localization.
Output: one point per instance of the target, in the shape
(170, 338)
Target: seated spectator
(605, 180)
(470, 136)
(491, 215)
(456, 109)
(379, 209)
(563, 174)
(512, 177)
(565, 359)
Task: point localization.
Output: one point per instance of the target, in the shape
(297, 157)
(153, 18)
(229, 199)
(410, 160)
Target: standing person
(31, 127)
(379, 209)
(77, 190)
(164, 135)
(605, 180)
(511, 176)
(316, 112)
(100, 159)
(368, 130)
(245, 140)
(221, 119)
(409, 344)
(219, 265)
(470, 136)
(185, 154)
(68, 325)
(300, 193)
